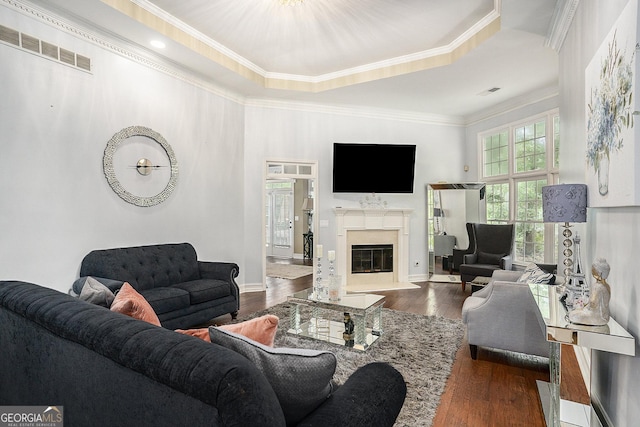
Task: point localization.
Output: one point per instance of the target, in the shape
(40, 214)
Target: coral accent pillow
(128, 301)
(202, 333)
(261, 329)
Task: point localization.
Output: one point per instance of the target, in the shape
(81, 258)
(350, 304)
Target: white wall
(55, 121)
(613, 233)
(302, 134)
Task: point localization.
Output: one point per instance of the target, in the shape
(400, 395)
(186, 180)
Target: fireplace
(371, 259)
(383, 234)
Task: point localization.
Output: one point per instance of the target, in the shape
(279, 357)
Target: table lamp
(307, 206)
(565, 203)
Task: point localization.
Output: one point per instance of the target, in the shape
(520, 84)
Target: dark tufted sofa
(182, 290)
(107, 369)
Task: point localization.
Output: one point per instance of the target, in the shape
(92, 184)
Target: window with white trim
(517, 160)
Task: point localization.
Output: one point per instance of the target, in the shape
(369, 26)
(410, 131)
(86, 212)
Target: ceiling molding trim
(179, 32)
(159, 20)
(562, 17)
(172, 20)
(354, 76)
(486, 27)
(357, 111)
(122, 48)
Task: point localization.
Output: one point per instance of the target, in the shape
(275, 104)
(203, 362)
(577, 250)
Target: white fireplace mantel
(356, 219)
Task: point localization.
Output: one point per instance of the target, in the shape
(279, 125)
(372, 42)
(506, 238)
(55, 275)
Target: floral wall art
(612, 155)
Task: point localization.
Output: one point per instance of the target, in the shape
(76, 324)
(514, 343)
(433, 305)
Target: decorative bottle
(576, 288)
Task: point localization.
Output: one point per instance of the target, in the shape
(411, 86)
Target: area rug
(445, 278)
(288, 271)
(422, 348)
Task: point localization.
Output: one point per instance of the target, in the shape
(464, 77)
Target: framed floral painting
(613, 160)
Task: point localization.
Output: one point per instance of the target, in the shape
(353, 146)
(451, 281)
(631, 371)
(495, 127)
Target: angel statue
(596, 311)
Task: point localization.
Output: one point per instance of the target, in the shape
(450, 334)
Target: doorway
(290, 200)
(279, 222)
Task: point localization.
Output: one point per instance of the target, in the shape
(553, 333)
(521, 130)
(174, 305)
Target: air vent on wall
(44, 49)
(9, 36)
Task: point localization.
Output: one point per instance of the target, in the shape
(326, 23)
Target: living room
(57, 205)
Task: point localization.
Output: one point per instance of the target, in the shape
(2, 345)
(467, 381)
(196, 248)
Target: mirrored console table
(554, 321)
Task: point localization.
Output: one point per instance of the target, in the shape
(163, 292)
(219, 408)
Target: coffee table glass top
(357, 312)
(346, 302)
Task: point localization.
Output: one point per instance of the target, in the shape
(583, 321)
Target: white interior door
(279, 221)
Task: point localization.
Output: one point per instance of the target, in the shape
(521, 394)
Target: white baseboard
(251, 287)
(419, 278)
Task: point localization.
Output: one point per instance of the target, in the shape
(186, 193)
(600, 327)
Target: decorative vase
(603, 174)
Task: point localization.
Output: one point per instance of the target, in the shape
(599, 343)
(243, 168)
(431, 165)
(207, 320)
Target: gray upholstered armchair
(494, 244)
(504, 315)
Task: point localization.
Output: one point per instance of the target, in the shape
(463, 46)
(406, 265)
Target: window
(497, 199)
(517, 161)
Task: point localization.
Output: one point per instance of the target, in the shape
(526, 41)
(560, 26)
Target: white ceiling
(341, 40)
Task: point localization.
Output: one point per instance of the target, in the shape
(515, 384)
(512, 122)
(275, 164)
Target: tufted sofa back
(144, 267)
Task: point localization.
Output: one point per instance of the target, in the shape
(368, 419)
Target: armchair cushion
(534, 274)
(487, 258)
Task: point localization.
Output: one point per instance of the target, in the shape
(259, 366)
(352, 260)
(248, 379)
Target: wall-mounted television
(373, 168)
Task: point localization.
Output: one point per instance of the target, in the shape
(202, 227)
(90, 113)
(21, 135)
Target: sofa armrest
(470, 258)
(372, 395)
(218, 270)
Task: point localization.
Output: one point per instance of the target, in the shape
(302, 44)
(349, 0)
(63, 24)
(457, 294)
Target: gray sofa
(106, 369)
(182, 291)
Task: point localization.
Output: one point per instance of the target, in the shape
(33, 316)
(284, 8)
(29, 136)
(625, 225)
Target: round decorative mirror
(140, 166)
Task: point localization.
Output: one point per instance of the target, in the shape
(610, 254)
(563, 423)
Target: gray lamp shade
(307, 204)
(564, 203)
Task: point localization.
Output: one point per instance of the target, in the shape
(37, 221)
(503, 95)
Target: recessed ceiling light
(158, 44)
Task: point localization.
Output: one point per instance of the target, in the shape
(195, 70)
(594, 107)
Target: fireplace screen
(371, 259)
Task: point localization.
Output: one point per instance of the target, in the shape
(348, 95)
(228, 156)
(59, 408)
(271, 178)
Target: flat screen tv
(373, 168)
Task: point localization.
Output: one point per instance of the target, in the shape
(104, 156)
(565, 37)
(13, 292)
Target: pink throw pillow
(128, 301)
(261, 329)
(202, 333)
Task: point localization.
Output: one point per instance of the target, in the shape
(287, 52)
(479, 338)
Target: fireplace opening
(371, 259)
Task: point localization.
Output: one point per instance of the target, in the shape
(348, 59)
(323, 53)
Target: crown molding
(169, 26)
(357, 111)
(562, 17)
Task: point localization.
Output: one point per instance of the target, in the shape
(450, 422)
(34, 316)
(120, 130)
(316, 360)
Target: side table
(554, 321)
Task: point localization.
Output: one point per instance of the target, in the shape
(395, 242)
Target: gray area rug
(422, 348)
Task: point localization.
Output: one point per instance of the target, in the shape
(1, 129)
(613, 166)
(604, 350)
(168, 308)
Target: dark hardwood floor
(497, 389)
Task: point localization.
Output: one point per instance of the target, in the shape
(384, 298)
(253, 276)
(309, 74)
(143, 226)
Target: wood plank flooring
(497, 389)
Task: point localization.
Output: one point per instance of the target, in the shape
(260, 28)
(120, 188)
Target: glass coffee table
(361, 316)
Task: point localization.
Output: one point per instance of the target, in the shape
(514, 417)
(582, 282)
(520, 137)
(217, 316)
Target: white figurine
(596, 312)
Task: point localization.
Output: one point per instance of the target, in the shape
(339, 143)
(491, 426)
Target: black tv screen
(373, 168)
